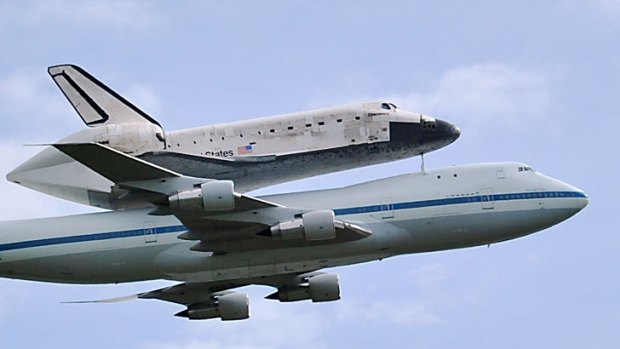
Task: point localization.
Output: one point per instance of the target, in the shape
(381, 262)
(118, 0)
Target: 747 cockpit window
(525, 168)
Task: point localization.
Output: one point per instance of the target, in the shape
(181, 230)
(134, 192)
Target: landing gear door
(486, 198)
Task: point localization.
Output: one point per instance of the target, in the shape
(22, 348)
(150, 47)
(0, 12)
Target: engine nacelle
(324, 288)
(312, 226)
(234, 306)
(319, 288)
(211, 196)
(231, 306)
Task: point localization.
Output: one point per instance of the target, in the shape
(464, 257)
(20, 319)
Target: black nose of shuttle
(447, 131)
(422, 137)
(435, 134)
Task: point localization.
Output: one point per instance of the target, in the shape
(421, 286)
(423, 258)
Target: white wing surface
(219, 219)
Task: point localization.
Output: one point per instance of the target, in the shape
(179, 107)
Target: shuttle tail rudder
(96, 103)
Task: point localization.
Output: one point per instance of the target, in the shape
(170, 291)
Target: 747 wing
(218, 218)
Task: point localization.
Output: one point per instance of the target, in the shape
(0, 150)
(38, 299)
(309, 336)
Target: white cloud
(400, 312)
(415, 308)
(609, 6)
(144, 98)
(114, 14)
(391, 311)
(429, 277)
(21, 86)
(208, 344)
(484, 93)
(28, 95)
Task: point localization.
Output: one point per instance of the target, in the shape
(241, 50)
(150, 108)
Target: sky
(530, 81)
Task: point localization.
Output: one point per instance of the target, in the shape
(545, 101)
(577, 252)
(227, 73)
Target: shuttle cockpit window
(525, 169)
(388, 106)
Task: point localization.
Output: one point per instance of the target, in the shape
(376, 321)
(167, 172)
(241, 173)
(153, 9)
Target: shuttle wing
(218, 218)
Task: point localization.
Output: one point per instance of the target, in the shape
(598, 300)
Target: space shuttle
(253, 154)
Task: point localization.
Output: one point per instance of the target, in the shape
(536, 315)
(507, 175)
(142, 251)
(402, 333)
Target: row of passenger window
(537, 195)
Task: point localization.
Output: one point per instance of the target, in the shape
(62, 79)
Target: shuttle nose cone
(424, 136)
(448, 130)
(439, 133)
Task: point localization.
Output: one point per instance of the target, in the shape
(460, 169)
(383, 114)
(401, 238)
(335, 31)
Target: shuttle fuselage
(254, 153)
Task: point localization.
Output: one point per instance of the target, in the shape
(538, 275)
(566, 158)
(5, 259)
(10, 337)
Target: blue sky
(527, 81)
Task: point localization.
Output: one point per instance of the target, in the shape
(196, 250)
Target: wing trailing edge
(113, 164)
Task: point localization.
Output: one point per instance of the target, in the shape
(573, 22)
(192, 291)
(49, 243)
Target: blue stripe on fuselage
(458, 200)
(338, 212)
(90, 237)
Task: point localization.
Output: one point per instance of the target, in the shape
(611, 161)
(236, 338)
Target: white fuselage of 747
(455, 207)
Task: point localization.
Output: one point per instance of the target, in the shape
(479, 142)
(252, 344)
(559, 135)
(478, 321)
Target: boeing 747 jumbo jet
(254, 154)
(212, 239)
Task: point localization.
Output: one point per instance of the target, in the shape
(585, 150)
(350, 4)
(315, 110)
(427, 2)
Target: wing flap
(113, 164)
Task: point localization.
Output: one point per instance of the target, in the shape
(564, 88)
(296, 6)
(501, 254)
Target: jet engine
(312, 226)
(318, 288)
(231, 306)
(211, 196)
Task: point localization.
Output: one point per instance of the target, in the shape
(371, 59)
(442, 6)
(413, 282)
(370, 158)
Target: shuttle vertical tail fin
(96, 103)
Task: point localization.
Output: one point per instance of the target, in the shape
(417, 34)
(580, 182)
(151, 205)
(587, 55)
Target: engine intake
(211, 196)
(312, 226)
